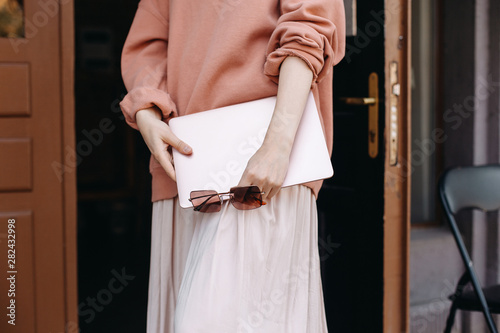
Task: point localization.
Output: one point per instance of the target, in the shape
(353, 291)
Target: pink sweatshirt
(187, 56)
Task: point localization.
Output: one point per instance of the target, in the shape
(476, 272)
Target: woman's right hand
(158, 137)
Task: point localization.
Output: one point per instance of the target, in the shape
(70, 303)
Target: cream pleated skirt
(237, 271)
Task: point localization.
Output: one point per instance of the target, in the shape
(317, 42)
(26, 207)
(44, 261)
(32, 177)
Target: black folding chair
(471, 187)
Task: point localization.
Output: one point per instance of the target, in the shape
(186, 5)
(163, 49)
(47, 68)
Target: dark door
(363, 207)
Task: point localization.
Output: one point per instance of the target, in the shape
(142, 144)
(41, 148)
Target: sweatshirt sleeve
(313, 30)
(144, 62)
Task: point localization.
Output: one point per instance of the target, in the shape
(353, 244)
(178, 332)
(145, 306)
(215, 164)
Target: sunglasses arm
(200, 206)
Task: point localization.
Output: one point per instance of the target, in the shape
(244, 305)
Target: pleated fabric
(237, 271)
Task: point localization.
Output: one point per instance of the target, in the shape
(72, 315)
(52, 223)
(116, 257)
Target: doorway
(351, 204)
(114, 208)
(114, 184)
(363, 209)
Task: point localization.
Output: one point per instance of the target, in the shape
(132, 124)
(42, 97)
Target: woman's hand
(158, 137)
(267, 168)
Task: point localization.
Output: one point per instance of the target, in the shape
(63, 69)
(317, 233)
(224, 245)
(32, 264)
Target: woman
(233, 271)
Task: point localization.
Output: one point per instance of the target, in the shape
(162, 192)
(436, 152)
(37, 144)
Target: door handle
(372, 101)
(359, 100)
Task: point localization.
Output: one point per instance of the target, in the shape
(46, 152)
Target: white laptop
(224, 139)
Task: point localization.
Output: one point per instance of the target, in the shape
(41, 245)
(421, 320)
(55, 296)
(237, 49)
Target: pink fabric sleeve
(313, 30)
(144, 62)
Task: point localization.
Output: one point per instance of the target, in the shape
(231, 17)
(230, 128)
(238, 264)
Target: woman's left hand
(267, 169)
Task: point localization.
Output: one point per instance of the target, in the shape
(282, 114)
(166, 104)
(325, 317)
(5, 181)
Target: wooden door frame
(397, 180)
(67, 38)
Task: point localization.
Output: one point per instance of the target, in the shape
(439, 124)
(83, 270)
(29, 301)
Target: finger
(170, 155)
(164, 158)
(265, 192)
(244, 180)
(273, 191)
(178, 144)
(248, 179)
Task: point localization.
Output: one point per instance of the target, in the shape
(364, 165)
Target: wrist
(153, 112)
(277, 142)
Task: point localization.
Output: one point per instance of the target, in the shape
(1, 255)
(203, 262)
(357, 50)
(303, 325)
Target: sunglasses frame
(199, 207)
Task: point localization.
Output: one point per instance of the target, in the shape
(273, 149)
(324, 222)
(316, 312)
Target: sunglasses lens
(205, 201)
(247, 197)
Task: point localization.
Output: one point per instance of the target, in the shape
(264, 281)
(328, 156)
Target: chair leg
(489, 320)
(451, 318)
(482, 300)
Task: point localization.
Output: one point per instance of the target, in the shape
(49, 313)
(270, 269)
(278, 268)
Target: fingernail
(186, 149)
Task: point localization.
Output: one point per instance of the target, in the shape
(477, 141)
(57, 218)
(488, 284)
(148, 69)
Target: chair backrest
(471, 187)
